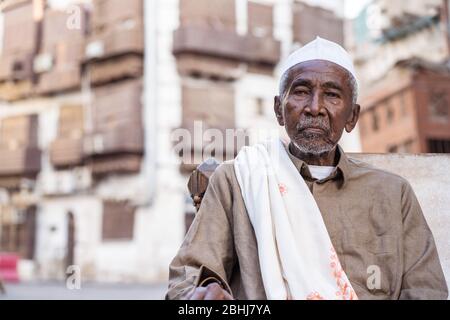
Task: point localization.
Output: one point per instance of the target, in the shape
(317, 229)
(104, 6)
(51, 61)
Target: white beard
(315, 150)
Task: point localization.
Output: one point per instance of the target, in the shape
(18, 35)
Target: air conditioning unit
(95, 49)
(43, 63)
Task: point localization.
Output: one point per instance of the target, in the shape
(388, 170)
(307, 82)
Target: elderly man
(301, 220)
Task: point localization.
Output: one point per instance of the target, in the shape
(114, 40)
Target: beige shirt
(372, 216)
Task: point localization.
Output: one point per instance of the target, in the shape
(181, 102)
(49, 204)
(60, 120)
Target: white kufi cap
(320, 49)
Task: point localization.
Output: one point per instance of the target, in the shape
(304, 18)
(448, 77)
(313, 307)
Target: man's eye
(332, 95)
(300, 92)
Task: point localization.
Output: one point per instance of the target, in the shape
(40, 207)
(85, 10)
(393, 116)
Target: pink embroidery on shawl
(283, 188)
(314, 296)
(345, 291)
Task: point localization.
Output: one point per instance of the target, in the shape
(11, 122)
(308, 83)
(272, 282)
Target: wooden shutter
(118, 220)
(19, 153)
(67, 149)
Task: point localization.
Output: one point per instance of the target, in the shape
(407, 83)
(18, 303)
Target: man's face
(316, 106)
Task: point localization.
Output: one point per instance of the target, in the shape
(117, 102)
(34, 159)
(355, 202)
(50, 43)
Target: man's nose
(315, 107)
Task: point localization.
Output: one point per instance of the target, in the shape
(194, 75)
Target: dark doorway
(18, 231)
(70, 257)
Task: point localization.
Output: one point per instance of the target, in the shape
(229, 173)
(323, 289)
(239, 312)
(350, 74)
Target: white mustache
(309, 123)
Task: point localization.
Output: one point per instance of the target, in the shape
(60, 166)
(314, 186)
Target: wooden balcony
(20, 162)
(226, 44)
(66, 152)
(126, 139)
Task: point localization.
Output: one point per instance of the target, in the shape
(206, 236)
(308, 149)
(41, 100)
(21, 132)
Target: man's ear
(353, 118)
(278, 108)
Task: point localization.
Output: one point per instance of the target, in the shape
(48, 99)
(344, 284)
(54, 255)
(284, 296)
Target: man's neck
(328, 159)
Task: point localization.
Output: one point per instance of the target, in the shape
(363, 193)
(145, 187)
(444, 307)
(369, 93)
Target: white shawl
(296, 255)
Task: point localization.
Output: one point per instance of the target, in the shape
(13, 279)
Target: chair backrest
(199, 179)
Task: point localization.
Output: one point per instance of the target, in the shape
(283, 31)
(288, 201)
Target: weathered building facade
(410, 111)
(389, 31)
(403, 70)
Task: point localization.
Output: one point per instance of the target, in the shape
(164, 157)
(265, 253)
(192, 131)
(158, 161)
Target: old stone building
(409, 110)
(402, 60)
(389, 31)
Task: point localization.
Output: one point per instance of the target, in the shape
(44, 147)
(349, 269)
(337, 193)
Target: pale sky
(348, 8)
(353, 7)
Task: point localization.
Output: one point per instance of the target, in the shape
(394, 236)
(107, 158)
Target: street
(88, 291)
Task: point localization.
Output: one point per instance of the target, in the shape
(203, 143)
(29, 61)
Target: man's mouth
(313, 130)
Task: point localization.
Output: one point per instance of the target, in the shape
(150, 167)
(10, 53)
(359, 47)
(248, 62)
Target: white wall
(429, 177)
(51, 248)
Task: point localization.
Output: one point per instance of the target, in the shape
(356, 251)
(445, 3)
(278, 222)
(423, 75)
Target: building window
(118, 220)
(439, 107)
(260, 106)
(375, 121)
(408, 146)
(260, 19)
(389, 114)
(393, 149)
(405, 147)
(403, 107)
(18, 231)
(311, 21)
(438, 146)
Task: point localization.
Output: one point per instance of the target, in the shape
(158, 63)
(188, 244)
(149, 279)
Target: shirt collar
(342, 171)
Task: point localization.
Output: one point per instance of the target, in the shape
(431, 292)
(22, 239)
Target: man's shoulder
(224, 174)
(225, 168)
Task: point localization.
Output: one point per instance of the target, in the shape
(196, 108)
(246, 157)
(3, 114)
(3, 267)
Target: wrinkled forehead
(317, 71)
